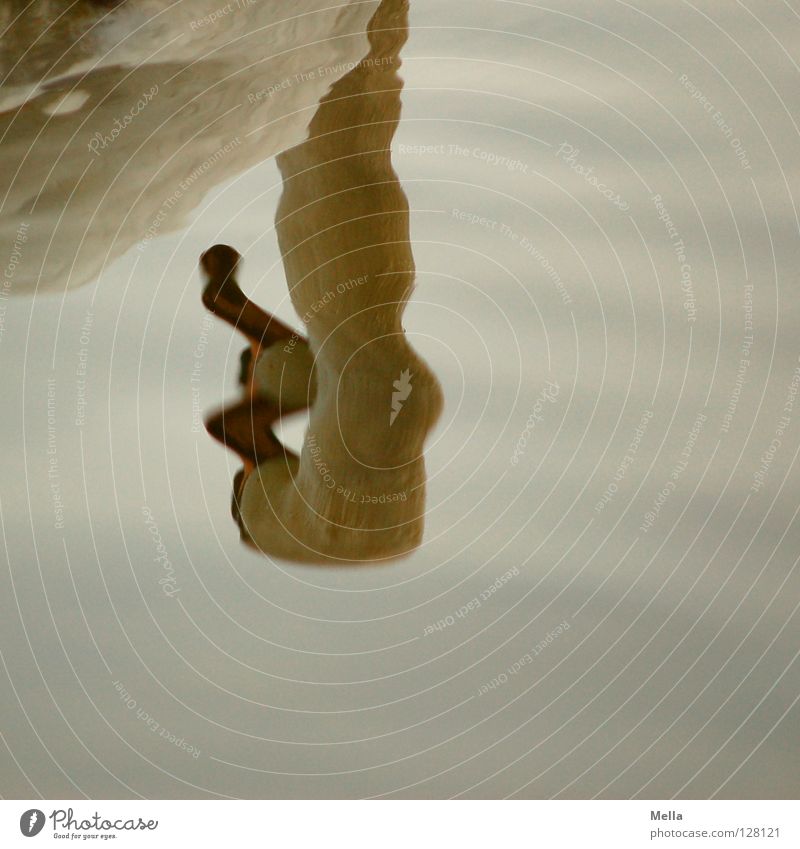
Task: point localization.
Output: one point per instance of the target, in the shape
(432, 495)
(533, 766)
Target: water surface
(604, 229)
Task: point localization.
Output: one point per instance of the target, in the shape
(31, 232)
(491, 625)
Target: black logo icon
(31, 822)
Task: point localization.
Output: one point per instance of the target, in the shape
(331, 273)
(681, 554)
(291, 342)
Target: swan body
(356, 493)
(116, 119)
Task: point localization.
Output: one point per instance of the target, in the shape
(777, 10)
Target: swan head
(220, 262)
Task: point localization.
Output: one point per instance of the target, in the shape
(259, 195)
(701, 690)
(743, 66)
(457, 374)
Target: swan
(117, 118)
(356, 492)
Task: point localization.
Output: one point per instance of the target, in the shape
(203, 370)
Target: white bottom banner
(389, 824)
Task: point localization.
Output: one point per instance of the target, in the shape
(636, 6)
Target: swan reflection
(356, 492)
(117, 118)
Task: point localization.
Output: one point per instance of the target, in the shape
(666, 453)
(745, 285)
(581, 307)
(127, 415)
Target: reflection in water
(646, 503)
(357, 491)
(117, 118)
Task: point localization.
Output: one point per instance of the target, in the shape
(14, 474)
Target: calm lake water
(603, 218)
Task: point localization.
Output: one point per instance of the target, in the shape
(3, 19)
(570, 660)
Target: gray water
(604, 603)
